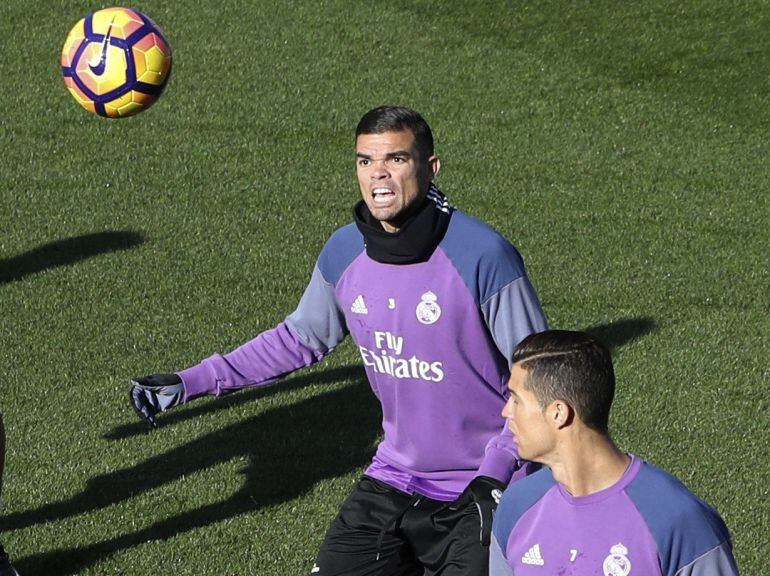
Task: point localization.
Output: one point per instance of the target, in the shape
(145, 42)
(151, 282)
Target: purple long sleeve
(272, 354)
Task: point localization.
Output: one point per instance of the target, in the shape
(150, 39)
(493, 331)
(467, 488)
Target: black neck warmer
(418, 236)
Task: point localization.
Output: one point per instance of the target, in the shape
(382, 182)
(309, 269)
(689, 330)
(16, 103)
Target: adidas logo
(533, 556)
(358, 306)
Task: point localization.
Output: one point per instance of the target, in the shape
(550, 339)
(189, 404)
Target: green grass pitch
(623, 147)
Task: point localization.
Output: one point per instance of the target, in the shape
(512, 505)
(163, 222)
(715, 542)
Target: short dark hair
(394, 119)
(575, 367)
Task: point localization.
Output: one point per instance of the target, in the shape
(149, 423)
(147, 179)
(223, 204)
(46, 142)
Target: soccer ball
(115, 62)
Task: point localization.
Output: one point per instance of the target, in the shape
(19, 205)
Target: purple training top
(435, 337)
(646, 524)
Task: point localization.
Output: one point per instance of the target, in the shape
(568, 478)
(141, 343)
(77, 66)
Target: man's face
(526, 419)
(392, 176)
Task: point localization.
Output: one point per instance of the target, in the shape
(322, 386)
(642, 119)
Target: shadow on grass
(66, 252)
(621, 332)
(287, 451)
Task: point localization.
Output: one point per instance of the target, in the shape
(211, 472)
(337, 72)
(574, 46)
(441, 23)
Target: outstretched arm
(304, 338)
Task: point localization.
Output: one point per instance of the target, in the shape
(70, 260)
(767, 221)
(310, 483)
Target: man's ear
(562, 414)
(435, 166)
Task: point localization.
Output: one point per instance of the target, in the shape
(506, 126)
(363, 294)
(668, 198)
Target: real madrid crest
(428, 310)
(617, 563)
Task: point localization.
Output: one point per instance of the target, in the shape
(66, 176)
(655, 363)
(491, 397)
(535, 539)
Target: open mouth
(383, 195)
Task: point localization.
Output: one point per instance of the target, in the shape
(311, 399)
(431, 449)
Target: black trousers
(381, 531)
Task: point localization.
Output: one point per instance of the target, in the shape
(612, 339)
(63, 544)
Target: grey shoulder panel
(718, 561)
(512, 314)
(318, 320)
(498, 565)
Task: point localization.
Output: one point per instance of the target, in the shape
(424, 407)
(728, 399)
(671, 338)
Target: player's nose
(379, 170)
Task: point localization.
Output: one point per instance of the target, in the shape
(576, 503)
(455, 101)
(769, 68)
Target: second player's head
(575, 367)
(561, 382)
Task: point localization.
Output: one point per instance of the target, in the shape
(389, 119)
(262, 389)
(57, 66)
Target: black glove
(485, 493)
(152, 394)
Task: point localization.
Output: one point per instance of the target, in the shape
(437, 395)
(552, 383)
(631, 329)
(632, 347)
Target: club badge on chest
(617, 563)
(428, 311)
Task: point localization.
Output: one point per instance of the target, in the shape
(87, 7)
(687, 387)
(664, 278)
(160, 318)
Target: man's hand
(157, 393)
(485, 493)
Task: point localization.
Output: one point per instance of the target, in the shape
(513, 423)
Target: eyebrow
(396, 154)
